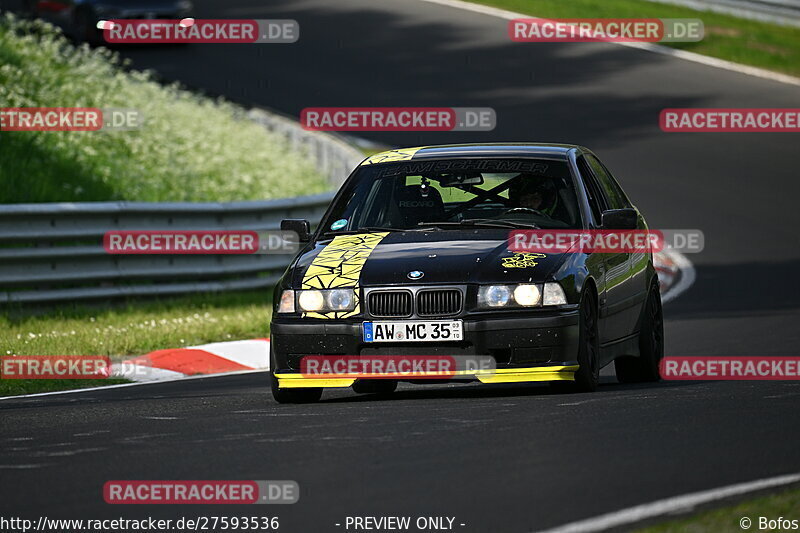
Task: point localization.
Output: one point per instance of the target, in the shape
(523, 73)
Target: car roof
(450, 151)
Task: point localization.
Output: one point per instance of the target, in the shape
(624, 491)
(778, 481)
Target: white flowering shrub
(191, 148)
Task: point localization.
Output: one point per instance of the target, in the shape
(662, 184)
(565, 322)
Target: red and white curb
(667, 270)
(675, 273)
(214, 358)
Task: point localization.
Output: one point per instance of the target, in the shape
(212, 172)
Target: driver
(528, 193)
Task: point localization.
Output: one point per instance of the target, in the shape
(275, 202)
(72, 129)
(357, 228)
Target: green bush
(191, 148)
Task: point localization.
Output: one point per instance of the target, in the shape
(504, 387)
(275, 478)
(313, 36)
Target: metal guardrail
(333, 157)
(52, 252)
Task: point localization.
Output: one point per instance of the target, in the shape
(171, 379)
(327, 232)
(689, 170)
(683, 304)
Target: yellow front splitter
(536, 373)
(501, 375)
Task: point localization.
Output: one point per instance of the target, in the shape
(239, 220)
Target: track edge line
(650, 47)
(121, 385)
(686, 502)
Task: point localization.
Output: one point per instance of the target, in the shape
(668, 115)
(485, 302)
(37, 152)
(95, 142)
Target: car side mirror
(299, 226)
(621, 219)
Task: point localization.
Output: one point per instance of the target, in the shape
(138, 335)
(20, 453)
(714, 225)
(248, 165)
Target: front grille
(439, 302)
(389, 303)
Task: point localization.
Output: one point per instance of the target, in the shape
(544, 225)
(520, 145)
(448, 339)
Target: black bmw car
(419, 237)
(79, 18)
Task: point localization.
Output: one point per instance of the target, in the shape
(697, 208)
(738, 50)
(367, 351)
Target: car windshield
(452, 194)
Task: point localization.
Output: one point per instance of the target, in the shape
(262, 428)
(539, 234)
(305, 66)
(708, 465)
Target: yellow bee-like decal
(522, 260)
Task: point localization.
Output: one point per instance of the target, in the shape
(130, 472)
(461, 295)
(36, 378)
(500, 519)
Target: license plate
(414, 331)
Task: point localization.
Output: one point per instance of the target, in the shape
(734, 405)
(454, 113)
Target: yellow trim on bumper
(501, 375)
(536, 373)
(294, 381)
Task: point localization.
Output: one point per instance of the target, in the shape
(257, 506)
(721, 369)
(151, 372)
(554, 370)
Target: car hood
(453, 256)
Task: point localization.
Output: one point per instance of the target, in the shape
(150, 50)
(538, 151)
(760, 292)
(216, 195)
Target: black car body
(421, 234)
(79, 18)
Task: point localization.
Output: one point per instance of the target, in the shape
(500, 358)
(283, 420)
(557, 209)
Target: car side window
(612, 190)
(597, 202)
(615, 184)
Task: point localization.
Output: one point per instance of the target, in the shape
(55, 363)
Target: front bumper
(540, 346)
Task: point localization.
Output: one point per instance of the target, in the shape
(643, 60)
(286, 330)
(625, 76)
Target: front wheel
(651, 345)
(83, 29)
(304, 395)
(588, 375)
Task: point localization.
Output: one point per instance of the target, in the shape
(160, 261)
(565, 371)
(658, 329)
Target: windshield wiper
(482, 222)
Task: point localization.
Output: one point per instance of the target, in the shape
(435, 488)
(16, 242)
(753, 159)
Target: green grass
(726, 520)
(191, 148)
(759, 44)
(135, 327)
(130, 329)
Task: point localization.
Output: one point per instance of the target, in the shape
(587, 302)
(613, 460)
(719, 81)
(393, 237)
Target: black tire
(304, 395)
(644, 368)
(84, 29)
(375, 386)
(28, 8)
(588, 375)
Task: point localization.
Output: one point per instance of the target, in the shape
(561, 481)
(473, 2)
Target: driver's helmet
(532, 193)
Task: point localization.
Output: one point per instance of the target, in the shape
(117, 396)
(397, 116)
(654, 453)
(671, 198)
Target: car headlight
(554, 294)
(494, 296)
(286, 305)
(326, 300)
(311, 300)
(521, 295)
(527, 295)
(340, 300)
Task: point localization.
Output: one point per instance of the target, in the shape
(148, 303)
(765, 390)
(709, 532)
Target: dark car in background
(420, 236)
(79, 18)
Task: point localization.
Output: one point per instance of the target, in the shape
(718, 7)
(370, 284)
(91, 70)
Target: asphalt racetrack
(497, 458)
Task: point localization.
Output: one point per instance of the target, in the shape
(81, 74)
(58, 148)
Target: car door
(639, 285)
(635, 290)
(616, 290)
